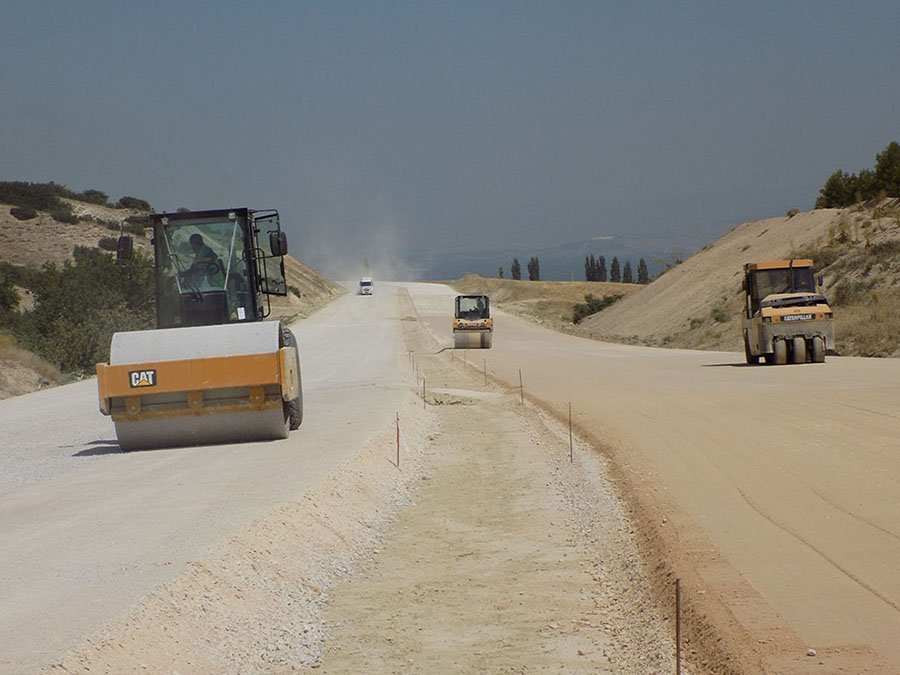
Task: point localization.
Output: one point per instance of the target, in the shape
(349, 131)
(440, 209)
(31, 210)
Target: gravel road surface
(774, 492)
(87, 531)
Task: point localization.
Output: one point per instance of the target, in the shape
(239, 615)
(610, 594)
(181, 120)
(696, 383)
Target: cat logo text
(142, 378)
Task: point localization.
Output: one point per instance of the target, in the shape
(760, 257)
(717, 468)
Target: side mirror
(278, 243)
(124, 248)
(744, 284)
(821, 281)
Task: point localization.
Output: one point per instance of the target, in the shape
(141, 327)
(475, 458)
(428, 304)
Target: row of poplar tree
(515, 269)
(595, 270)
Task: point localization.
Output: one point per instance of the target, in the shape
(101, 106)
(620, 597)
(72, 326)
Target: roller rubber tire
(817, 350)
(751, 358)
(798, 350)
(779, 352)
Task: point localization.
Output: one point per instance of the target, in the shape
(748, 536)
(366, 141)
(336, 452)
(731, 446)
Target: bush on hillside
(80, 305)
(108, 243)
(38, 196)
(64, 214)
(93, 197)
(592, 305)
(134, 203)
(23, 213)
(9, 296)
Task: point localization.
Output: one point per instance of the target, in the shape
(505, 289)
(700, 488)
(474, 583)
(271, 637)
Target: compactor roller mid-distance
(785, 319)
(214, 371)
(473, 327)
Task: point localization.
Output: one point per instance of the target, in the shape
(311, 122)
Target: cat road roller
(473, 326)
(213, 371)
(784, 317)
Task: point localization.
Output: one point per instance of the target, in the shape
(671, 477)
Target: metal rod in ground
(571, 446)
(521, 388)
(398, 439)
(677, 626)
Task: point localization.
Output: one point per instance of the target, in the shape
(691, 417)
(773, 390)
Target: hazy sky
(431, 125)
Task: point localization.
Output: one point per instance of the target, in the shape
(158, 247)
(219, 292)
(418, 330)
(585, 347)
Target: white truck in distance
(365, 286)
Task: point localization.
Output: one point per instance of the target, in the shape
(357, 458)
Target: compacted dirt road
(500, 553)
(771, 493)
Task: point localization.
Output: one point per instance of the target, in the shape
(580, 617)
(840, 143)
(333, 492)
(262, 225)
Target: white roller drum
(194, 342)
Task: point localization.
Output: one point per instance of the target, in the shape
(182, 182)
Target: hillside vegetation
(62, 296)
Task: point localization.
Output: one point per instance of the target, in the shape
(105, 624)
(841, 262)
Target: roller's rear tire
(798, 350)
(779, 352)
(817, 350)
(752, 359)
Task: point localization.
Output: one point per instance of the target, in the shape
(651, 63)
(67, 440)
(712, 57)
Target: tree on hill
(887, 169)
(843, 189)
(499, 272)
(515, 270)
(643, 275)
(534, 269)
(594, 268)
(614, 274)
(627, 276)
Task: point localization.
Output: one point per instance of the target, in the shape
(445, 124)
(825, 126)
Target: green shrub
(38, 196)
(134, 203)
(592, 305)
(108, 243)
(80, 305)
(93, 197)
(9, 296)
(23, 213)
(64, 214)
(135, 227)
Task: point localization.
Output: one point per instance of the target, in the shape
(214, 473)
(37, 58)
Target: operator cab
(473, 307)
(213, 267)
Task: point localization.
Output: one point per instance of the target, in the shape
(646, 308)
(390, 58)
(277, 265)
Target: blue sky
(417, 127)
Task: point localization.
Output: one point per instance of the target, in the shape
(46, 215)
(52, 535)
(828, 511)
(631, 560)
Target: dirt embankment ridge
(548, 303)
(697, 303)
(34, 242)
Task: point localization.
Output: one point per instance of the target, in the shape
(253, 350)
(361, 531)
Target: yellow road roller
(214, 371)
(473, 327)
(785, 318)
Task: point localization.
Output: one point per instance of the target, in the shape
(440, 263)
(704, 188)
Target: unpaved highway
(773, 491)
(87, 531)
